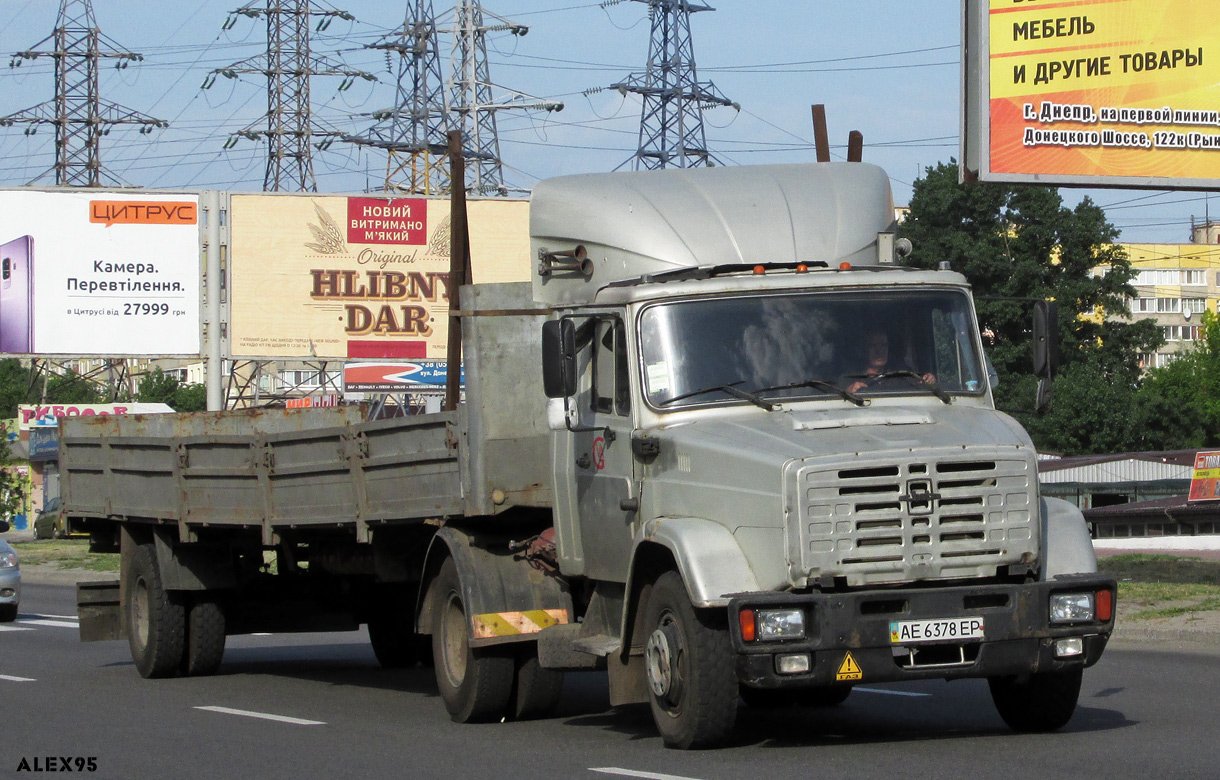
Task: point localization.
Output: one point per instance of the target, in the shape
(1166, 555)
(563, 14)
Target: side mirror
(1046, 339)
(1046, 351)
(559, 358)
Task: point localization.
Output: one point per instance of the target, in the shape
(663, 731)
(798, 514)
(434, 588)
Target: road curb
(1164, 635)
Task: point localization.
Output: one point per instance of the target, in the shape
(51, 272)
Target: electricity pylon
(80, 116)
(671, 120)
(288, 65)
(475, 100)
(413, 132)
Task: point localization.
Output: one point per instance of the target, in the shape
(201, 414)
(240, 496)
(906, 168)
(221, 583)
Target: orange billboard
(1095, 92)
(361, 277)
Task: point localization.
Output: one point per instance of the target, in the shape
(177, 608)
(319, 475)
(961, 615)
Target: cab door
(593, 456)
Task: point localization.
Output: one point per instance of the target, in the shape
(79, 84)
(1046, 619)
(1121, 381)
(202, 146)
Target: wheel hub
(661, 660)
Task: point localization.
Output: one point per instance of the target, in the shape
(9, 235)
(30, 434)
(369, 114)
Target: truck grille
(932, 516)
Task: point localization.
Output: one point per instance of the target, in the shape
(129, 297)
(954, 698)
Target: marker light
(759, 270)
(746, 620)
(1105, 605)
(802, 268)
(844, 266)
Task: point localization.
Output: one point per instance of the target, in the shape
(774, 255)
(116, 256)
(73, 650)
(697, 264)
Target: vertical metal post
(459, 267)
(821, 140)
(855, 146)
(213, 362)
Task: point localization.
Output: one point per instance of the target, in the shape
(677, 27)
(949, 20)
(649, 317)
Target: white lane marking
(52, 617)
(11, 678)
(613, 770)
(51, 623)
(264, 716)
(889, 692)
(11, 627)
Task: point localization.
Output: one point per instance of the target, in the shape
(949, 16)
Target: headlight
(8, 560)
(1071, 607)
(780, 624)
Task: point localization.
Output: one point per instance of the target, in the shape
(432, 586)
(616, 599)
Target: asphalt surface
(318, 706)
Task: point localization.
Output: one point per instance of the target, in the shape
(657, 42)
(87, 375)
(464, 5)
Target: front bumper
(10, 586)
(1017, 639)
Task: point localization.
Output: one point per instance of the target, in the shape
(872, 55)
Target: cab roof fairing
(641, 223)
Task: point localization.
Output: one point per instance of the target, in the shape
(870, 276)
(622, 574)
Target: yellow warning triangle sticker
(849, 669)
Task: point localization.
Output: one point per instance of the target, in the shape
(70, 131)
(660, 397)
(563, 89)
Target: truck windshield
(809, 345)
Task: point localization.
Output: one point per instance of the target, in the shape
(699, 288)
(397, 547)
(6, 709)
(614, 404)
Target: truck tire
(1044, 701)
(394, 643)
(536, 691)
(690, 668)
(475, 684)
(156, 619)
(205, 637)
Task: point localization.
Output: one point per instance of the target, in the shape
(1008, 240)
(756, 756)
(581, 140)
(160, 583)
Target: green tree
(1179, 404)
(72, 388)
(1022, 243)
(18, 385)
(159, 387)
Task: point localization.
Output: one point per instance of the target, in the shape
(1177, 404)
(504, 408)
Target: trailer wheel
(1043, 701)
(156, 619)
(689, 664)
(537, 690)
(475, 684)
(205, 637)
(394, 643)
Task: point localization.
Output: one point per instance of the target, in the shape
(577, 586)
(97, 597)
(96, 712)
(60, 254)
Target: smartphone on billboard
(17, 296)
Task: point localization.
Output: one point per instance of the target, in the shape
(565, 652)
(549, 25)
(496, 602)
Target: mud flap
(101, 614)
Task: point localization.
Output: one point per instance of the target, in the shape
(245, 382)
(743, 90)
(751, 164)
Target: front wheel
(1043, 701)
(475, 684)
(156, 619)
(689, 663)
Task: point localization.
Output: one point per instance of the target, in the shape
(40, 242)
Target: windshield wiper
(818, 384)
(931, 387)
(730, 389)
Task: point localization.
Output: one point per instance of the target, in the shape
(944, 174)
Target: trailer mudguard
(1068, 547)
(709, 559)
(505, 597)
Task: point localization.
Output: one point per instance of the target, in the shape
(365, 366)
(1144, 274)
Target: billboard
(1092, 92)
(380, 377)
(358, 278)
(31, 416)
(1205, 482)
(99, 273)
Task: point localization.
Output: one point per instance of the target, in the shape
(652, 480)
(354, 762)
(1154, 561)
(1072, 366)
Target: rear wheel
(394, 642)
(205, 637)
(475, 684)
(1040, 702)
(156, 619)
(537, 690)
(689, 663)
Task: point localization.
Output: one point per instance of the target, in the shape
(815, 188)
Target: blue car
(10, 579)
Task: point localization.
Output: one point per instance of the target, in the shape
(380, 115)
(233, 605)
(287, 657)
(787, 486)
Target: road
(318, 706)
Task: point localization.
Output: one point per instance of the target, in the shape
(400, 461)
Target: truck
(724, 445)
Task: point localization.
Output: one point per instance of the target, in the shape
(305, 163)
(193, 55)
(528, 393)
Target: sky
(886, 68)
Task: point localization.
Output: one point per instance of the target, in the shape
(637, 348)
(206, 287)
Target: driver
(877, 350)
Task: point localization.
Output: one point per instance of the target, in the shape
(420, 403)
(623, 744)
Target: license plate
(908, 632)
